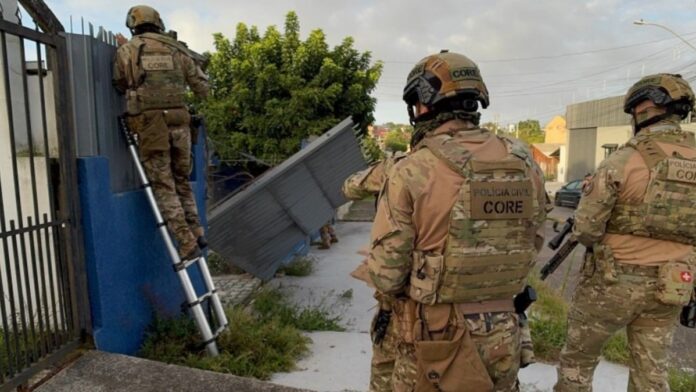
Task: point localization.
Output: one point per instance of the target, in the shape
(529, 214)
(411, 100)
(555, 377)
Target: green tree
(371, 149)
(270, 91)
(397, 140)
(530, 131)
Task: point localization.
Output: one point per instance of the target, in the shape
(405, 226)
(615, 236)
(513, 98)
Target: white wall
(611, 135)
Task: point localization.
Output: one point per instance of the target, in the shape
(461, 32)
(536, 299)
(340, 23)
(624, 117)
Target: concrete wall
(610, 135)
(130, 276)
(581, 152)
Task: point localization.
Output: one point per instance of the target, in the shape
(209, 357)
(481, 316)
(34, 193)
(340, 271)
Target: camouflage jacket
(622, 178)
(415, 206)
(127, 73)
(369, 182)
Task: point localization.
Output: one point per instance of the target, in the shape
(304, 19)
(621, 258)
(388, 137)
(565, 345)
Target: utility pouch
(588, 265)
(451, 364)
(154, 135)
(132, 103)
(675, 283)
(605, 264)
(425, 277)
(404, 313)
(176, 117)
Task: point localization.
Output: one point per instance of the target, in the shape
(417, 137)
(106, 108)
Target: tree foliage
(270, 91)
(530, 131)
(397, 140)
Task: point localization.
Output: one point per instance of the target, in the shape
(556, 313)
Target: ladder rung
(202, 298)
(220, 330)
(185, 264)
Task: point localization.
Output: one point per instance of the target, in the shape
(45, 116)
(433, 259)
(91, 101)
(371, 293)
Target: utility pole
(641, 22)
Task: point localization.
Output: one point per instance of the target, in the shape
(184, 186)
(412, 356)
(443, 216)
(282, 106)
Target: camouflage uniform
(638, 243)
(153, 71)
(407, 207)
(328, 236)
(358, 186)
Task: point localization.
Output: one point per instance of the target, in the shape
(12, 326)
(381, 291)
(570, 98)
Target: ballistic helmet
(142, 14)
(668, 90)
(448, 78)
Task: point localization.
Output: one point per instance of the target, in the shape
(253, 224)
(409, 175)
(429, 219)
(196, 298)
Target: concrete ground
(340, 360)
(97, 371)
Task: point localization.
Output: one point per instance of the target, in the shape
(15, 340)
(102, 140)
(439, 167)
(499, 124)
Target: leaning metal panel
(258, 227)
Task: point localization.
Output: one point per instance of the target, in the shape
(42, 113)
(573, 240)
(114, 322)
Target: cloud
(400, 32)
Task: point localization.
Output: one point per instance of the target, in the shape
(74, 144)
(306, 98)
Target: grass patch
(548, 321)
(219, 266)
(250, 347)
(273, 305)
(682, 381)
(348, 294)
(299, 266)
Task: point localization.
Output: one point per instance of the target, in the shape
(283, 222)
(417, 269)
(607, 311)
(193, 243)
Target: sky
(536, 57)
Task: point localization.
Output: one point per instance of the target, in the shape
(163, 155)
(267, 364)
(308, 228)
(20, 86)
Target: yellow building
(556, 131)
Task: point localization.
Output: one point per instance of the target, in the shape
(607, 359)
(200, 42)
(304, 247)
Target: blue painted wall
(130, 276)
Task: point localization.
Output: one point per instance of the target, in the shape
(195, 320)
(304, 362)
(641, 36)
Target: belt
(495, 306)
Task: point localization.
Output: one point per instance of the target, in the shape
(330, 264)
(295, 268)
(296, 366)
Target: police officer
(358, 186)
(153, 70)
(455, 236)
(637, 213)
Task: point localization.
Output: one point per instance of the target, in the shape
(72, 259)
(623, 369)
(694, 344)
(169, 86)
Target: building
(555, 131)
(547, 155)
(595, 130)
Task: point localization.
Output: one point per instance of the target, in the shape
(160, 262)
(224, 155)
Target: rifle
(563, 252)
(524, 300)
(688, 314)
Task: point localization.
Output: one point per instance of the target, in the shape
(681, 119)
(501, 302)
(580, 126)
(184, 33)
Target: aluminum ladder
(193, 301)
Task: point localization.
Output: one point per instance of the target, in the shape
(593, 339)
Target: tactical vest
(158, 79)
(492, 226)
(668, 209)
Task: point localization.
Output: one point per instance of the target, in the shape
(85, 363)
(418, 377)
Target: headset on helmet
(142, 14)
(445, 81)
(666, 90)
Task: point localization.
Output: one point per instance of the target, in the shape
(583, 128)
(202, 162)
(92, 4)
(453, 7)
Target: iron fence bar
(20, 292)
(3, 308)
(10, 121)
(40, 343)
(35, 227)
(34, 195)
(25, 375)
(57, 336)
(80, 315)
(21, 31)
(49, 182)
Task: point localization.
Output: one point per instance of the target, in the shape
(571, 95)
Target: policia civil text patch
(681, 170)
(502, 200)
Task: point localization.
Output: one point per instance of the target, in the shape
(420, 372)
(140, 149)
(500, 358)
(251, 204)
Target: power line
(547, 57)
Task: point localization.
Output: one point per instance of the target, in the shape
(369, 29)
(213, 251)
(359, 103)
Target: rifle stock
(563, 252)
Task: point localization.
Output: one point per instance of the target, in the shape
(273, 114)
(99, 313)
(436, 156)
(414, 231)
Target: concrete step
(98, 371)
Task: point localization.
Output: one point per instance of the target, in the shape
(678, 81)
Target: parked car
(569, 194)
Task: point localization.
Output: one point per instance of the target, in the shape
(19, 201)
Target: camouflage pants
(599, 310)
(383, 356)
(168, 172)
(328, 235)
(497, 339)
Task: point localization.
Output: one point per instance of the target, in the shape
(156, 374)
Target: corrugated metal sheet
(605, 112)
(256, 228)
(97, 105)
(581, 152)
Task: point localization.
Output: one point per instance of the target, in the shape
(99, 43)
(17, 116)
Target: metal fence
(42, 282)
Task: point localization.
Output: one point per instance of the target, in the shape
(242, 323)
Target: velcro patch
(157, 63)
(502, 200)
(681, 170)
(465, 73)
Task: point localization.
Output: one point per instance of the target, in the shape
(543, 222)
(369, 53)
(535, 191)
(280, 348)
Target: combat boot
(199, 233)
(189, 251)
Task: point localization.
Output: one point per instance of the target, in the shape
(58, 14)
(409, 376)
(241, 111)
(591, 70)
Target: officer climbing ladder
(193, 302)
